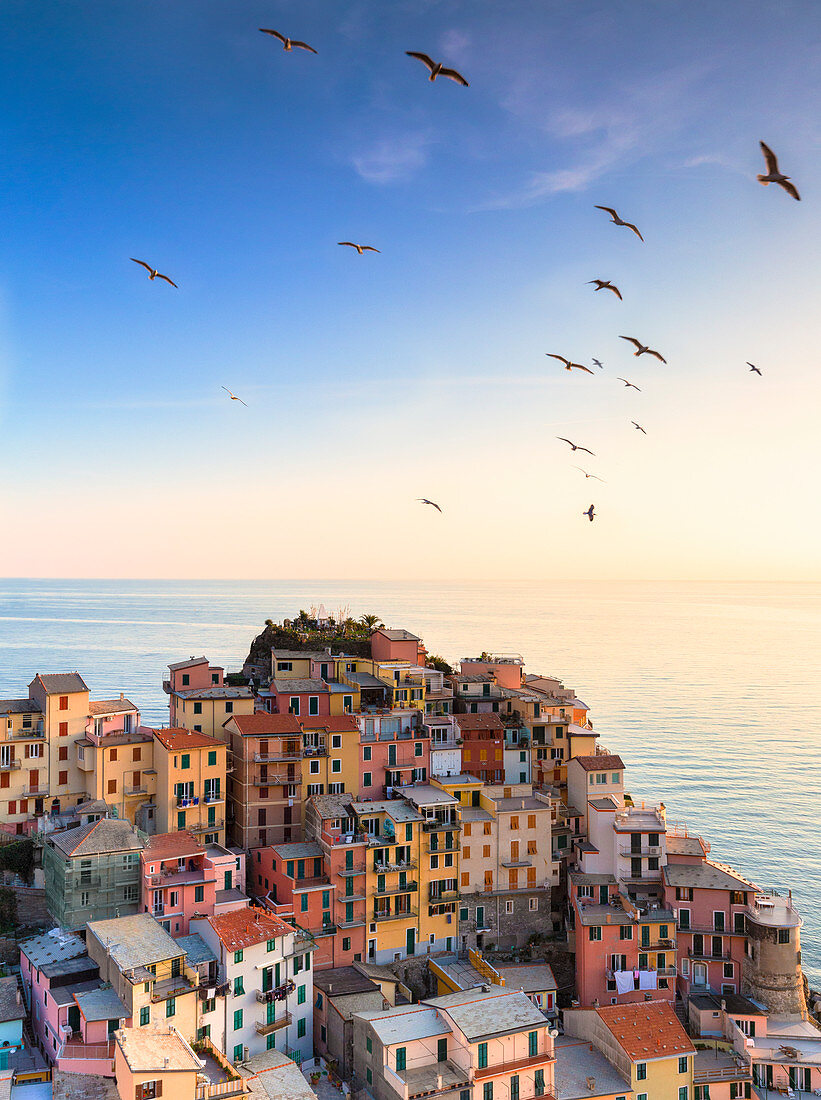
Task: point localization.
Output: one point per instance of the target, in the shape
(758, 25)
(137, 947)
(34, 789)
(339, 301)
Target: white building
(265, 976)
(445, 747)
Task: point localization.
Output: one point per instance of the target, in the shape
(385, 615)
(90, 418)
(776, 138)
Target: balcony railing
(387, 868)
(408, 888)
(706, 930)
(408, 915)
(438, 826)
(135, 790)
(27, 734)
(703, 1076)
(77, 1050)
(275, 779)
(9, 765)
(264, 1028)
(276, 757)
(265, 996)
(719, 956)
(34, 792)
(513, 1066)
(207, 827)
(641, 853)
(436, 849)
(442, 895)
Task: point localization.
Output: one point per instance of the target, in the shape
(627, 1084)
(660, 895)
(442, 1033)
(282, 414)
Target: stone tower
(772, 965)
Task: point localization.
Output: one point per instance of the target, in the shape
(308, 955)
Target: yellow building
(155, 1062)
(116, 758)
(63, 700)
(24, 759)
(330, 755)
(644, 1041)
(200, 700)
(148, 972)
(411, 873)
(191, 788)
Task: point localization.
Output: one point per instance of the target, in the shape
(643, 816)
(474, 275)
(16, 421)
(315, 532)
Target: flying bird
(360, 248)
(642, 349)
(436, 68)
(432, 503)
(618, 221)
(629, 385)
(774, 175)
(638, 427)
(152, 271)
(567, 364)
(575, 446)
(586, 474)
(599, 364)
(753, 367)
(605, 284)
(288, 43)
(234, 397)
(590, 513)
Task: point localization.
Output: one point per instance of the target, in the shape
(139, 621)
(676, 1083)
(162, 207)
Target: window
(62, 752)
(239, 986)
(594, 932)
(300, 1028)
(63, 702)
(682, 1093)
(366, 779)
(401, 1058)
(682, 1065)
(300, 995)
(229, 707)
(238, 1020)
(199, 893)
(482, 1055)
(641, 1071)
(368, 1075)
(514, 1088)
(313, 704)
(336, 765)
(212, 758)
(369, 1044)
(487, 1090)
(783, 935)
(171, 1007)
(148, 1090)
(532, 1043)
(62, 779)
(625, 932)
(197, 708)
(728, 970)
(185, 761)
(346, 942)
(538, 1083)
(145, 1016)
(238, 1052)
(237, 957)
(64, 729)
(293, 705)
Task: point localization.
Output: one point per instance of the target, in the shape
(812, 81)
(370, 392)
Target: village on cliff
(352, 869)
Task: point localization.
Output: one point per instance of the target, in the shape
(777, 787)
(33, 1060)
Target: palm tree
(371, 622)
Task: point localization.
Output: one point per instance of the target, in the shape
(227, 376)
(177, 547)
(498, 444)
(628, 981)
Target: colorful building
(200, 700)
(265, 789)
(394, 751)
(191, 783)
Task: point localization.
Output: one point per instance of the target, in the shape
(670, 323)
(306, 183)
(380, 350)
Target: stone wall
(773, 975)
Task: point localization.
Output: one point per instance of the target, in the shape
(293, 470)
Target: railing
(82, 881)
(135, 790)
(265, 996)
(27, 733)
(34, 792)
(434, 849)
(706, 930)
(206, 827)
(442, 895)
(513, 1066)
(438, 826)
(78, 1050)
(719, 956)
(170, 987)
(386, 868)
(324, 930)
(642, 853)
(408, 915)
(9, 765)
(264, 1028)
(276, 757)
(232, 1087)
(724, 1073)
(408, 888)
(278, 779)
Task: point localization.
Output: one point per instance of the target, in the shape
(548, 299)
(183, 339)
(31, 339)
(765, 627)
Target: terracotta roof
(646, 1030)
(266, 725)
(333, 723)
(246, 927)
(61, 683)
(600, 763)
(180, 740)
(478, 721)
(171, 846)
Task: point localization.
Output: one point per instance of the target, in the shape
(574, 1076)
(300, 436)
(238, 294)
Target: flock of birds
(437, 69)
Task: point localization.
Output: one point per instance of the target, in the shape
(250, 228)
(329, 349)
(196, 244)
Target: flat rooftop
(577, 1064)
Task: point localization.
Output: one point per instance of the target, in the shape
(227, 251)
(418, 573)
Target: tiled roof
(136, 940)
(708, 875)
(11, 1006)
(333, 723)
(266, 725)
(299, 687)
(298, 850)
(646, 1030)
(102, 837)
(478, 721)
(51, 947)
(212, 692)
(332, 805)
(181, 740)
(61, 683)
(246, 927)
(685, 845)
(343, 980)
(171, 846)
(190, 663)
(601, 763)
(302, 655)
(111, 706)
(397, 635)
(18, 706)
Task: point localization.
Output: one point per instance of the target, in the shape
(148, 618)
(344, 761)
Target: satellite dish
(553, 1033)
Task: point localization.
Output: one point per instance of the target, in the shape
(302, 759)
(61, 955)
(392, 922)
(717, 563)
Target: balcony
(276, 757)
(706, 930)
(207, 827)
(442, 895)
(408, 888)
(387, 868)
(324, 930)
(411, 914)
(84, 882)
(186, 803)
(654, 850)
(265, 996)
(135, 790)
(720, 956)
(263, 1028)
(275, 779)
(9, 765)
(177, 986)
(513, 1066)
(352, 872)
(27, 733)
(438, 826)
(435, 849)
(34, 792)
(76, 1050)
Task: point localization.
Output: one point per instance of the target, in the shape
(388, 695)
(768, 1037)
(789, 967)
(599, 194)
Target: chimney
(591, 1083)
(17, 995)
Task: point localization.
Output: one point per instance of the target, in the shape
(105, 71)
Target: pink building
(302, 698)
(73, 1015)
(397, 645)
(507, 669)
(710, 900)
(182, 878)
(393, 752)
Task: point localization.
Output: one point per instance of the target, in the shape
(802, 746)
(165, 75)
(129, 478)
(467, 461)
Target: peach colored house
(507, 669)
(397, 645)
(483, 745)
(393, 751)
(301, 891)
(155, 1062)
(200, 700)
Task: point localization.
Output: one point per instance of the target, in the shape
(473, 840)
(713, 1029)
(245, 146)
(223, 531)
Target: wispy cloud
(455, 46)
(393, 159)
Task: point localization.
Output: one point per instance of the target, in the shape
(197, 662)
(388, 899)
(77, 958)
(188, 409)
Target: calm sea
(710, 692)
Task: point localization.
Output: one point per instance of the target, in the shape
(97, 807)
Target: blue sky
(179, 134)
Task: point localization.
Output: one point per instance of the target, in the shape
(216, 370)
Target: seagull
(773, 175)
(567, 364)
(586, 474)
(590, 513)
(436, 68)
(642, 349)
(598, 364)
(360, 248)
(152, 271)
(618, 220)
(605, 284)
(629, 385)
(638, 427)
(753, 367)
(432, 503)
(288, 43)
(575, 446)
(234, 397)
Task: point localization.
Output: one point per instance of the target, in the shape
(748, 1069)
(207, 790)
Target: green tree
(371, 622)
(440, 664)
